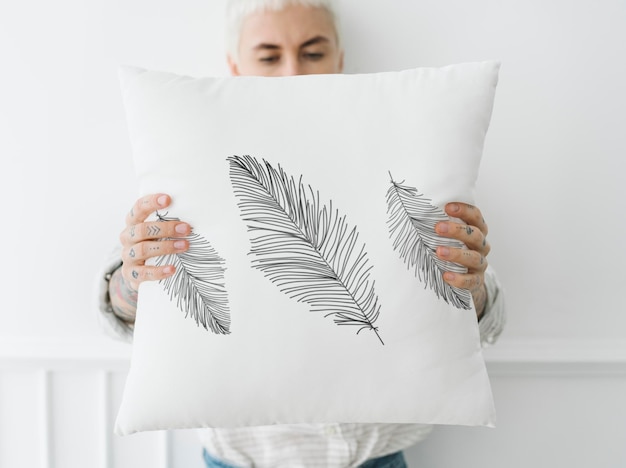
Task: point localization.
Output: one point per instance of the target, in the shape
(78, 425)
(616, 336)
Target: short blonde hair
(238, 10)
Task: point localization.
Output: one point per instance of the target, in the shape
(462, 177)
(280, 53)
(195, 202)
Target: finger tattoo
(153, 230)
(135, 274)
(132, 212)
(132, 231)
(469, 230)
(131, 253)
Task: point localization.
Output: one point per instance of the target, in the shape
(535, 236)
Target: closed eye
(313, 56)
(270, 59)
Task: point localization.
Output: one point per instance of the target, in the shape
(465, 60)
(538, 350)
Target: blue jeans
(394, 460)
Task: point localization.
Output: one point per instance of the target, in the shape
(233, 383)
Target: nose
(292, 66)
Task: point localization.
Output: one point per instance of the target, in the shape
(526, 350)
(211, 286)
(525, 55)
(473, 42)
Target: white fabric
(346, 137)
(310, 445)
(330, 445)
(490, 327)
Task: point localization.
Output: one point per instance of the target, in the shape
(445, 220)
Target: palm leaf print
(304, 247)
(412, 220)
(197, 286)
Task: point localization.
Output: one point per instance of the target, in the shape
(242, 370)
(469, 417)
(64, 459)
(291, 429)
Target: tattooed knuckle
(127, 273)
(146, 230)
(154, 250)
(147, 250)
(137, 251)
(150, 230)
(135, 232)
(487, 249)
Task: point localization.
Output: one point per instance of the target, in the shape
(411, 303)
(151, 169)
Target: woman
(282, 38)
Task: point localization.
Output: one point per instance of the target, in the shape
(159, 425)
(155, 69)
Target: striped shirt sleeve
(493, 320)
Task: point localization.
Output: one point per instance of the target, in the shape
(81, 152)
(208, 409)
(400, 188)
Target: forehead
(290, 26)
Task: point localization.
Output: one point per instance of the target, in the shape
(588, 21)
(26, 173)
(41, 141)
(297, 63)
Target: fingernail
(449, 276)
(162, 200)
(182, 228)
(454, 207)
(168, 270)
(179, 245)
(442, 228)
(444, 251)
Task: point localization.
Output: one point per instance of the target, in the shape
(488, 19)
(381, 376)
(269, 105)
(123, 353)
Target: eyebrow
(312, 41)
(315, 40)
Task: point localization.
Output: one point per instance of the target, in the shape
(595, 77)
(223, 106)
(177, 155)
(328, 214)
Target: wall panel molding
(60, 353)
(557, 358)
(506, 358)
(534, 364)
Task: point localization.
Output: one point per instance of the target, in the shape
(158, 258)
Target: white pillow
(317, 297)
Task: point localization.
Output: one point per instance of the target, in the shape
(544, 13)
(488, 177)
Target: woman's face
(297, 40)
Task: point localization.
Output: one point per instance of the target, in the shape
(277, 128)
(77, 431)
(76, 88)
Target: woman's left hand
(474, 235)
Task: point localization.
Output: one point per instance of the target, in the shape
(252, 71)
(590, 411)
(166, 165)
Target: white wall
(551, 189)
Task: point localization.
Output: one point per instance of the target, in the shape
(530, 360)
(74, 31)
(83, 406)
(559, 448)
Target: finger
(146, 205)
(471, 281)
(469, 214)
(142, 251)
(141, 232)
(470, 259)
(134, 275)
(471, 236)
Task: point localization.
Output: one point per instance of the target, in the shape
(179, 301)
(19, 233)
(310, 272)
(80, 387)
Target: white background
(551, 189)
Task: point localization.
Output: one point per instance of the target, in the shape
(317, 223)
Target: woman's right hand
(143, 240)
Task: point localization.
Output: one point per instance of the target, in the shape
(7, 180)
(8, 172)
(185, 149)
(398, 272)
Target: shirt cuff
(493, 319)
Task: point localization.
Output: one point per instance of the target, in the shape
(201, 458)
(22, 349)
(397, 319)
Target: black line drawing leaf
(412, 220)
(304, 247)
(197, 286)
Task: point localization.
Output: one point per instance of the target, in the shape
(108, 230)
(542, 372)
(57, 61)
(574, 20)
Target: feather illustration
(304, 247)
(412, 220)
(198, 283)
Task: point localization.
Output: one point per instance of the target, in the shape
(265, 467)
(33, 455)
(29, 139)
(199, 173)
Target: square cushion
(310, 292)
